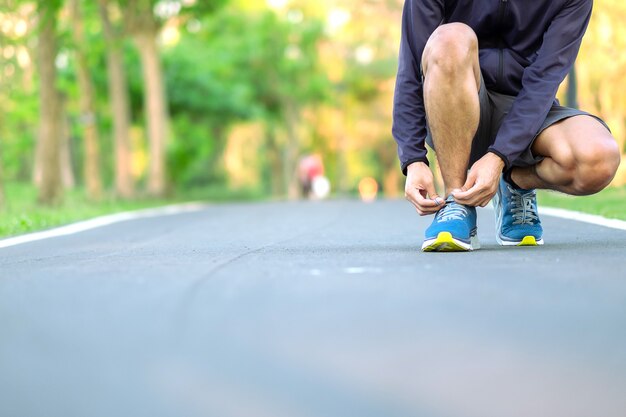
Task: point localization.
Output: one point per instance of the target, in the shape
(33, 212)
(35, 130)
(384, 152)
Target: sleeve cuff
(405, 165)
(507, 164)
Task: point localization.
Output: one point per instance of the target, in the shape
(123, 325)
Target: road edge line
(583, 217)
(102, 221)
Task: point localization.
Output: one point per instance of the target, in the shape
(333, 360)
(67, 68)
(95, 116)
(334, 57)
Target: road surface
(312, 309)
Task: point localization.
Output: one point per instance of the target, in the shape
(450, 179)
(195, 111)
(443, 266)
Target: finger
(423, 201)
(481, 199)
(472, 197)
(421, 204)
(488, 197)
(417, 208)
(432, 193)
(426, 205)
(468, 190)
(464, 196)
(409, 197)
(470, 181)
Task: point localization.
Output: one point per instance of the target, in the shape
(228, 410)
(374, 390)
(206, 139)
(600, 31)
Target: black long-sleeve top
(526, 49)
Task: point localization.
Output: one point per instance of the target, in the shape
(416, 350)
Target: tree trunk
(68, 178)
(50, 188)
(120, 107)
(155, 109)
(91, 169)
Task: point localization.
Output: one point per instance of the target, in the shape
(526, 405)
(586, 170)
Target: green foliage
(193, 155)
(241, 63)
(362, 81)
(18, 133)
(238, 66)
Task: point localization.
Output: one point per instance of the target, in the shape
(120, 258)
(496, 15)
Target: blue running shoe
(517, 220)
(453, 230)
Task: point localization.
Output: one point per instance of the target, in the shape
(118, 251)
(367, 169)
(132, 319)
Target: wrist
(417, 165)
(405, 165)
(497, 160)
(501, 157)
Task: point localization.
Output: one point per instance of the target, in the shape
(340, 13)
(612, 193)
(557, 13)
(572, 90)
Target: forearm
(419, 20)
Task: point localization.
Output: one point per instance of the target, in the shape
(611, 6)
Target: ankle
(516, 181)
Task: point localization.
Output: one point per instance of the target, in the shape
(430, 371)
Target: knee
(596, 168)
(450, 48)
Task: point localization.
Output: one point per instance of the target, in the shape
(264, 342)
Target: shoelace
(522, 207)
(452, 211)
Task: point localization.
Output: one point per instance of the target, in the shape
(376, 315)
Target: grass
(610, 203)
(21, 213)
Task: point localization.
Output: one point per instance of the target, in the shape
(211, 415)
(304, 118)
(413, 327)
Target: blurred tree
(18, 94)
(50, 188)
(209, 91)
(143, 20)
(66, 162)
(92, 174)
(142, 24)
(119, 102)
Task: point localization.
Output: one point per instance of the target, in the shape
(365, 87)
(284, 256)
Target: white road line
(583, 217)
(101, 222)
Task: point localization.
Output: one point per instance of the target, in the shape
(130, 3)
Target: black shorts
(493, 109)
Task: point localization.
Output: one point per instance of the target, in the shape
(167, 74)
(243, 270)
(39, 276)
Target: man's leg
(451, 84)
(581, 158)
(451, 87)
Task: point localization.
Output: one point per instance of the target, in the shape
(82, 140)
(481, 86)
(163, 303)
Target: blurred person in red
(309, 168)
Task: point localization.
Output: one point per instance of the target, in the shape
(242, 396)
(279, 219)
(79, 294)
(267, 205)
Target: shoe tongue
(450, 199)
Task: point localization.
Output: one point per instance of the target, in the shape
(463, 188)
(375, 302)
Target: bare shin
(452, 80)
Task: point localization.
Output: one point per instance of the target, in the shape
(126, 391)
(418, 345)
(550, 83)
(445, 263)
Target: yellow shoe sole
(444, 242)
(528, 241)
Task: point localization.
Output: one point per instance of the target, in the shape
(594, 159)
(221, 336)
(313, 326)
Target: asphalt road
(312, 309)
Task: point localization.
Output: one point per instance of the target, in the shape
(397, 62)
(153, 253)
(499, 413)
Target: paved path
(311, 309)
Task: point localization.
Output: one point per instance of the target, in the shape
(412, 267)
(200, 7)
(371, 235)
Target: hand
(482, 182)
(420, 189)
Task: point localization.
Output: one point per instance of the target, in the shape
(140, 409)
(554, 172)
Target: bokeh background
(117, 104)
